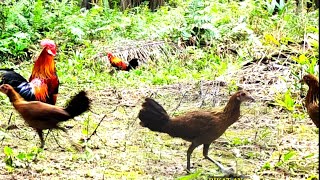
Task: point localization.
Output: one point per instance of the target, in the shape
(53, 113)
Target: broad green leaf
(7, 151)
(266, 166)
(21, 156)
(289, 155)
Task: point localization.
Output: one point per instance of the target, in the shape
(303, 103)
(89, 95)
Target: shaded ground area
(272, 143)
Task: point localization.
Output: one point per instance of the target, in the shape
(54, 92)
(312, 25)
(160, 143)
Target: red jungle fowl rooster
(43, 83)
(121, 65)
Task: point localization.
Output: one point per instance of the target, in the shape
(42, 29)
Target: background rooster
(43, 83)
(121, 65)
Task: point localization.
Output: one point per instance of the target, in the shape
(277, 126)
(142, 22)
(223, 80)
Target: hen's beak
(251, 99)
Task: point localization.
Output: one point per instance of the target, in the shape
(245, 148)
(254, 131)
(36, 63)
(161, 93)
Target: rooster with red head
(43, 84)
(119, 64)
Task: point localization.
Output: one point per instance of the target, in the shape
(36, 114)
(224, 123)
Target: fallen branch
(179, 104)
(8, 128)
(95, 130)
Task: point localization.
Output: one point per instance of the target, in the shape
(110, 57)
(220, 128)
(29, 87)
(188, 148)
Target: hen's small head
(243, 96)
(49, 46)
(5, 88)
(309, 79)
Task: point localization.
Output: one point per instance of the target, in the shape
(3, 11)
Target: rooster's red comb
(109, 54)
(48, 43)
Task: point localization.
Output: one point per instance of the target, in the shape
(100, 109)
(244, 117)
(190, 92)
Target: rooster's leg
(189, 152)
(76, 145)
(226, 171)
(39, 131)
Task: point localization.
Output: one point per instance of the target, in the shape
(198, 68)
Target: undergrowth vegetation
(230, 35)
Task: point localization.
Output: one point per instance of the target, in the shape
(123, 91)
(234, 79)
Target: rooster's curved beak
(52, 52)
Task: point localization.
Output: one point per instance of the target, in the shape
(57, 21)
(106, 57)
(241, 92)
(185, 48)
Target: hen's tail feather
(153, 116)
(78, 104)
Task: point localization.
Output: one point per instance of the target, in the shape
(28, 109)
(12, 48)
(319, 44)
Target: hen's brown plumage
(197, 127)
(312, 98)
(40, 116)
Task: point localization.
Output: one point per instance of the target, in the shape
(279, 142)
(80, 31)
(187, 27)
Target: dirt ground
(122, 149)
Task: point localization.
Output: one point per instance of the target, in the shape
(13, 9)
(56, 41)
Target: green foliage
(21, 159)
(264, 133)
(289, 155)
(9, 156)
(232, 86)
(88, 126)
(64, 22)
(37, 14)
(190, 176)
(197, 21)
(238, 141)
(286, 101)
(284, 160)
(23, 23)
(307, 64)
(266, 166)
(275, 6)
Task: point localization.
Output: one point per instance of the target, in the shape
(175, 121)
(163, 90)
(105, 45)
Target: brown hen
(312, 98)
(40, 116)
(197, 127)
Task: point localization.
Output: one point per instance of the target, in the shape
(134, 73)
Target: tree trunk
(155, 4)
(129, 4)
(88, 4)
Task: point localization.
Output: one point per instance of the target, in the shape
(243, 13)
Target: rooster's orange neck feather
(40, 89)
(44, 66)
(118, 62)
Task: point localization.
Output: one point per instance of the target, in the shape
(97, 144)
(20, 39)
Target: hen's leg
(189, 152)
(226, 171)
(39, 131)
